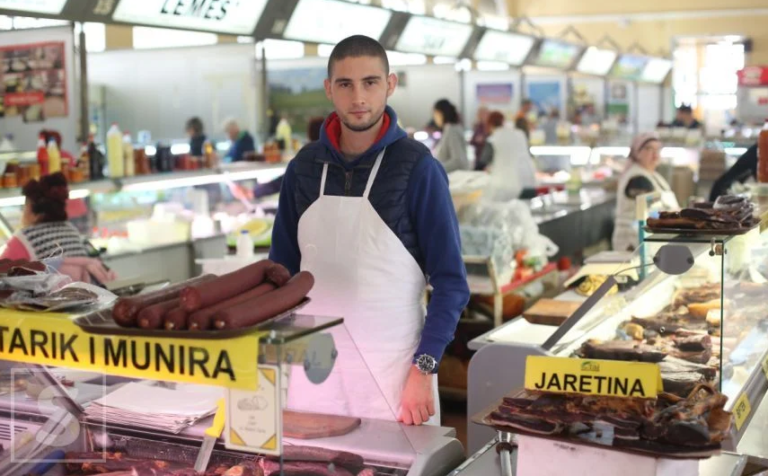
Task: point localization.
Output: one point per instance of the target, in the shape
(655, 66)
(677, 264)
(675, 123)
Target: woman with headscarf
(639, 178)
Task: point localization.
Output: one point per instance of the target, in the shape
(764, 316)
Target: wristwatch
(425, 364)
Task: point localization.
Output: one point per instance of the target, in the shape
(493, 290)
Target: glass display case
(693, 304)
(306, 403)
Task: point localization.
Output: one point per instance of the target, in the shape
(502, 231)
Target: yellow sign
(741, 411)
(592, 377)
(54, 339)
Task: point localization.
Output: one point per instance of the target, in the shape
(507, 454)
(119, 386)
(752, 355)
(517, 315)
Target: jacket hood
(330, 135)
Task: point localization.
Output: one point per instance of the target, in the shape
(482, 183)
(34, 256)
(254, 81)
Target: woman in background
(46, 232)
(194, 128)
(479, 136)
(639, 178)
(506, 154)
(451, 151)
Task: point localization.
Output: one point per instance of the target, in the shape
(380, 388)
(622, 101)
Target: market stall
(689, 301)
(116, 392)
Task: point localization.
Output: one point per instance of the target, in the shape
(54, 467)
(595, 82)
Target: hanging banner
(33, 81)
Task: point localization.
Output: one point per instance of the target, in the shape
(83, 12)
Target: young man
(368, 212)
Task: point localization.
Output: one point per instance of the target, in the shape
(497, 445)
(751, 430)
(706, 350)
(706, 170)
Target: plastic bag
(513, 219)
(71, 296)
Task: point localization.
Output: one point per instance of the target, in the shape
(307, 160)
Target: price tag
(741, 410)
(254, 419)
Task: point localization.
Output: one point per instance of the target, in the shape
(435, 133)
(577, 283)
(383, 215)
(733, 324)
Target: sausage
(152, 317)
(126, 309)
(175, 319)
(269, 305)
(278, 275)
(203, 319)
(224, 287)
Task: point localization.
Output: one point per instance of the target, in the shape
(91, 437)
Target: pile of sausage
(242, 298)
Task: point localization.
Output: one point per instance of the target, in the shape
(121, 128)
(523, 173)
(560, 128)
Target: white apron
(364, 274)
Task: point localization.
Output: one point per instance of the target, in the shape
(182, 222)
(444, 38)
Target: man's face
(232, 132)
(359, 88)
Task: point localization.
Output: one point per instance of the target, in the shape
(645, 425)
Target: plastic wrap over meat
(513, 219)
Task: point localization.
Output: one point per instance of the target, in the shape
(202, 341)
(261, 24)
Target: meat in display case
(296, 396)
(691, 304)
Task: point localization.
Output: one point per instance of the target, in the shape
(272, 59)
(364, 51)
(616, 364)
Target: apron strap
(322, 180)
(374, 171)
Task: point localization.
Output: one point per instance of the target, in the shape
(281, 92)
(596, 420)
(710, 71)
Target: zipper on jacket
(348, 183)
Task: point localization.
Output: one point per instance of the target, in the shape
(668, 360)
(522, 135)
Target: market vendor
(368, 212)
(639, 178)
(46, 232)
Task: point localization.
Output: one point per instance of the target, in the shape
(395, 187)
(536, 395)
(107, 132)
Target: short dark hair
(686, 109)
(354, 47)
(526, 102)
(48, 197)
(448, 110)
(495, 119)
(196, 125)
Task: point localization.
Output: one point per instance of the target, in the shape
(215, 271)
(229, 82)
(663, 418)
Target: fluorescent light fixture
(444, 60)
(18, 201)
(580, 155)
(261, 174)
(735, 151)
(596, 61)
(615, 151)
(50, 7)
(180, 149)
(503, 46)
(328, 21)
(434, 37)
(492, 66)
(656, 70)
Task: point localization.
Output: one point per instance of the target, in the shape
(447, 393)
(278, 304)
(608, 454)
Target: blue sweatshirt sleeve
(285, 242)
(437, 229)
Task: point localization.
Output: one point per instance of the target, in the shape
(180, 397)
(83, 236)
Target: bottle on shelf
(130, 167)
(115, 157)
(762, 154)
(84, 163)
(42, 155)
(244, 245)
(95, 160)
(209, 155)
(54, 157)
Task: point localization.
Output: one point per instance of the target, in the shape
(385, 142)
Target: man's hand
(418, 403)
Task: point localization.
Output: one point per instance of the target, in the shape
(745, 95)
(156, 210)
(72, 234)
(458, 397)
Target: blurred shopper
(46, 232)
(194, 129)
(507, 156)
(451, 151)
(522, 125)
(684, 118)
(242, 141)
(479, 135)
(639, 178)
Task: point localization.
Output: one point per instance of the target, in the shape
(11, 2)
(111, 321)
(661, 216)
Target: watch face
(426, 363)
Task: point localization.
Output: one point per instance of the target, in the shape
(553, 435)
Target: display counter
(286, 402)
(710, 288)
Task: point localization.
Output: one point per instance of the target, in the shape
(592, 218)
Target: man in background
(684, 118)
(242, 141)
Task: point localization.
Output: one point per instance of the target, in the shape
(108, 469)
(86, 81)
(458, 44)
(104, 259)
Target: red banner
(24, 99)
(753, 76)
